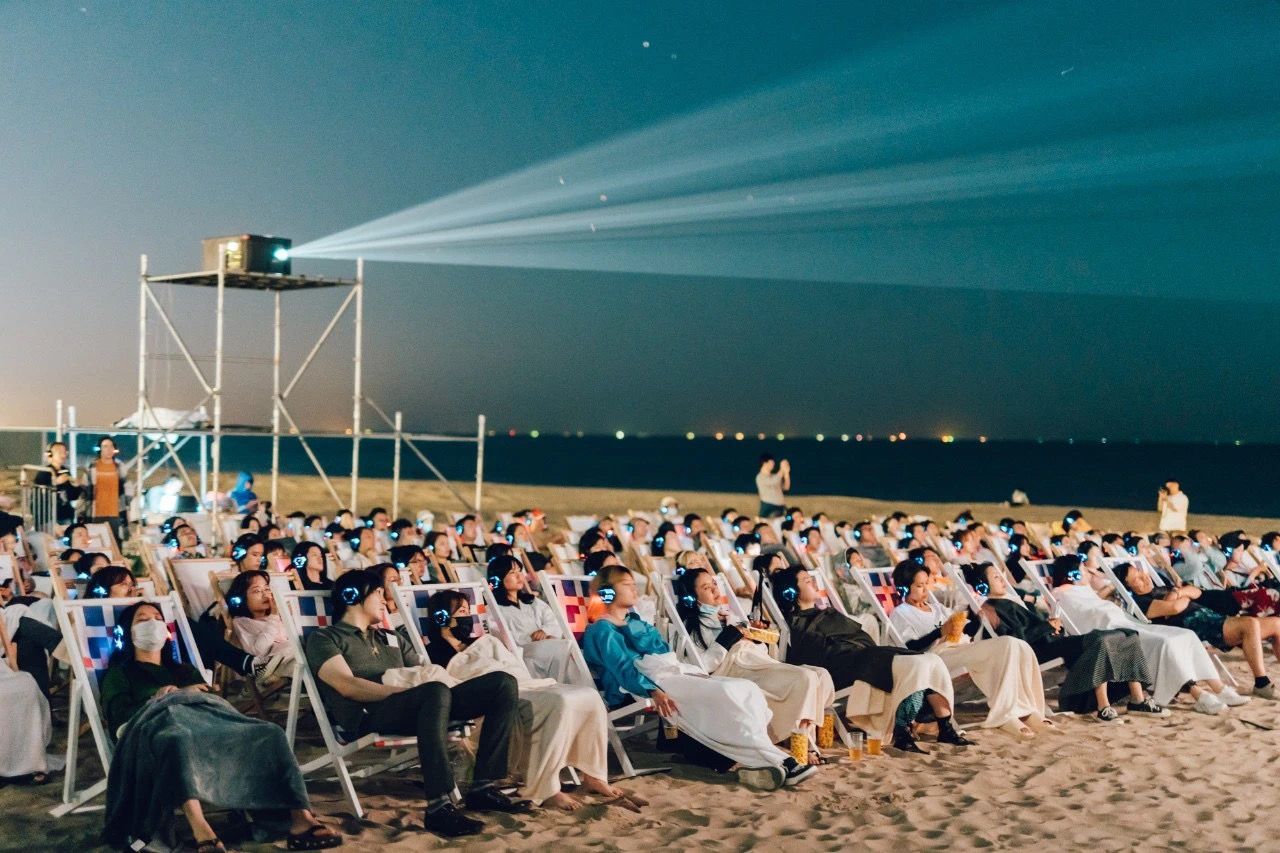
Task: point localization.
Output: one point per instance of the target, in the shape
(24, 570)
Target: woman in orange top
(107, 487)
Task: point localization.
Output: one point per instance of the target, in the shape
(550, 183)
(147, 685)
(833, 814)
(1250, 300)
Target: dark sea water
(1224, 479)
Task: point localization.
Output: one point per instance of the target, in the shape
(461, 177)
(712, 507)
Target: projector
(249, 253)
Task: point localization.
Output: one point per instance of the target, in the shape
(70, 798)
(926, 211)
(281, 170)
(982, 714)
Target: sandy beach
(1187, 781)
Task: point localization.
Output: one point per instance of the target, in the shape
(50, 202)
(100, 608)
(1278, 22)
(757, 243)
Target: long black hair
(687, 602)
(785, 586)
(441, 606)
(496, 570)
(1013, 560)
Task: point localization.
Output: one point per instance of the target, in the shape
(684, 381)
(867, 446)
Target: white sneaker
(1268, 692)
(1208, 704)
(1231, 697)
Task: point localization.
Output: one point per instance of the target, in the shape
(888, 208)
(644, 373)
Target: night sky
(143, 127)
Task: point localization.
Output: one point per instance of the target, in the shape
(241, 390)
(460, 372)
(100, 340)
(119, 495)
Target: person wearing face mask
(350, 657)
(183, 748)
(797, 696)
(567, 724)
(727, 716)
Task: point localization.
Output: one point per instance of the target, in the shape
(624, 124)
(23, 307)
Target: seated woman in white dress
(256, 627)
(727, 715)
(798, 696)
(26, 729)
(566, 725)
(534, 627)
(1005, 668)
(1175, 657)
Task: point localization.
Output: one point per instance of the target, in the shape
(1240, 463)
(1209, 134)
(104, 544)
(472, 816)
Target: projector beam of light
(867, 170)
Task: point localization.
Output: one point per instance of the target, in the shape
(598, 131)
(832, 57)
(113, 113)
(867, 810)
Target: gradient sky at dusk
(143, 127)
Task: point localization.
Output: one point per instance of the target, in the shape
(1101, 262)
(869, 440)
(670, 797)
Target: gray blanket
(195, 746)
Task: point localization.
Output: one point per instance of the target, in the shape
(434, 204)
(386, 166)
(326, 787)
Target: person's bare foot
(562, 801)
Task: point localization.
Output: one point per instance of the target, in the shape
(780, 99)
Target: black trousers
(213, 646)
(36, 641)
(426, 710)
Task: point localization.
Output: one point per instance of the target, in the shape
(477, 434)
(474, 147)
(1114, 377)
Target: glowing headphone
(349, 595)
(1176, 553)
(100, 591)
(902, 592)
(394, 534)
(857, 533)
(918, 560)
(368, 521)
(606, 593)
(510, 537)
(688, 600)
(981, 588)
(300, 561)
(170, 541)
(239, 552)
(679, 571)
(631, 528)
(353, 537)
(804, 538)
(458, 527)
(1013, 549)
(235, 601)
(790, 594)
(659, 541)
(1132, 549)
(495, 581)
(1074, 575)
(440, 617)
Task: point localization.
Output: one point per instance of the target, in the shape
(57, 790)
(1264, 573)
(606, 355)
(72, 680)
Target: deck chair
(303, 612)
(90, 627)
(192, 579)
(413, 599)
(878, 591)
(975, 600)
(103, 538)
(568, 596)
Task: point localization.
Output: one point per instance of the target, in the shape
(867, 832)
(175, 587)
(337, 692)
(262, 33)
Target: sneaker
(1109, 715)
(797, 772)
(1147, 706)
(1231, 698)
(762, 778)
(1268, 692)
(1208, 704)
(448, 822)
(267, 668)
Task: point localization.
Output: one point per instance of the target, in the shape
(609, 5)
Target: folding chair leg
(73, 744)
(348, 787)
(624, 760)
(842, 729)
(295, 701)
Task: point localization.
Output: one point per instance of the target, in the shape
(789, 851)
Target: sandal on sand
(317, 837)
(213, 845)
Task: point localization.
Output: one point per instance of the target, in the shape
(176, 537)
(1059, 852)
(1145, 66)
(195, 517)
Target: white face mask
(150, 635)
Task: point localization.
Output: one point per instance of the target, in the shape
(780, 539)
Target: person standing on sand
(1172, 506)
(771, 484)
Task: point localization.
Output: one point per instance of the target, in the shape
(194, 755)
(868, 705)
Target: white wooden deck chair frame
(580, 673)
(402, 749)
(83, 696)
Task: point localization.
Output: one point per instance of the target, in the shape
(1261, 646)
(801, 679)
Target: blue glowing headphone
(239, 552)
(857, 533)
(349, 595)
(981, 588)
(235, 601)
(688, 600)
(918, 560)
(394, 534)
(902, 592)
(458, 526)
(1074, 575)
(631, 527)
(353, 537)
(300, 561)
(790, 594)
(511, 538)
(440, 617)
(495, 581)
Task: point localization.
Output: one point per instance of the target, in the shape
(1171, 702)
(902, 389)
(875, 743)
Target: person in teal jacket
(727, 715)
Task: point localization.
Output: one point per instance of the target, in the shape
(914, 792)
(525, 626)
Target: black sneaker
(904, 742)
(448, 822)
(948, 733)
(1148, 706)
(490, 799)
(797, 772)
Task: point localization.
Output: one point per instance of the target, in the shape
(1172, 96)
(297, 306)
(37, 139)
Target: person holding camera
(771, 485)
(1172, 505)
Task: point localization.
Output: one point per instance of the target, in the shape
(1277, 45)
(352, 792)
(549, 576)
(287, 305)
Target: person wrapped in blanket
(798, 696)
(182, 748)
(1101, 665)
(1168, 606)
(891, 685)
(728, 716)
(562, 725)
